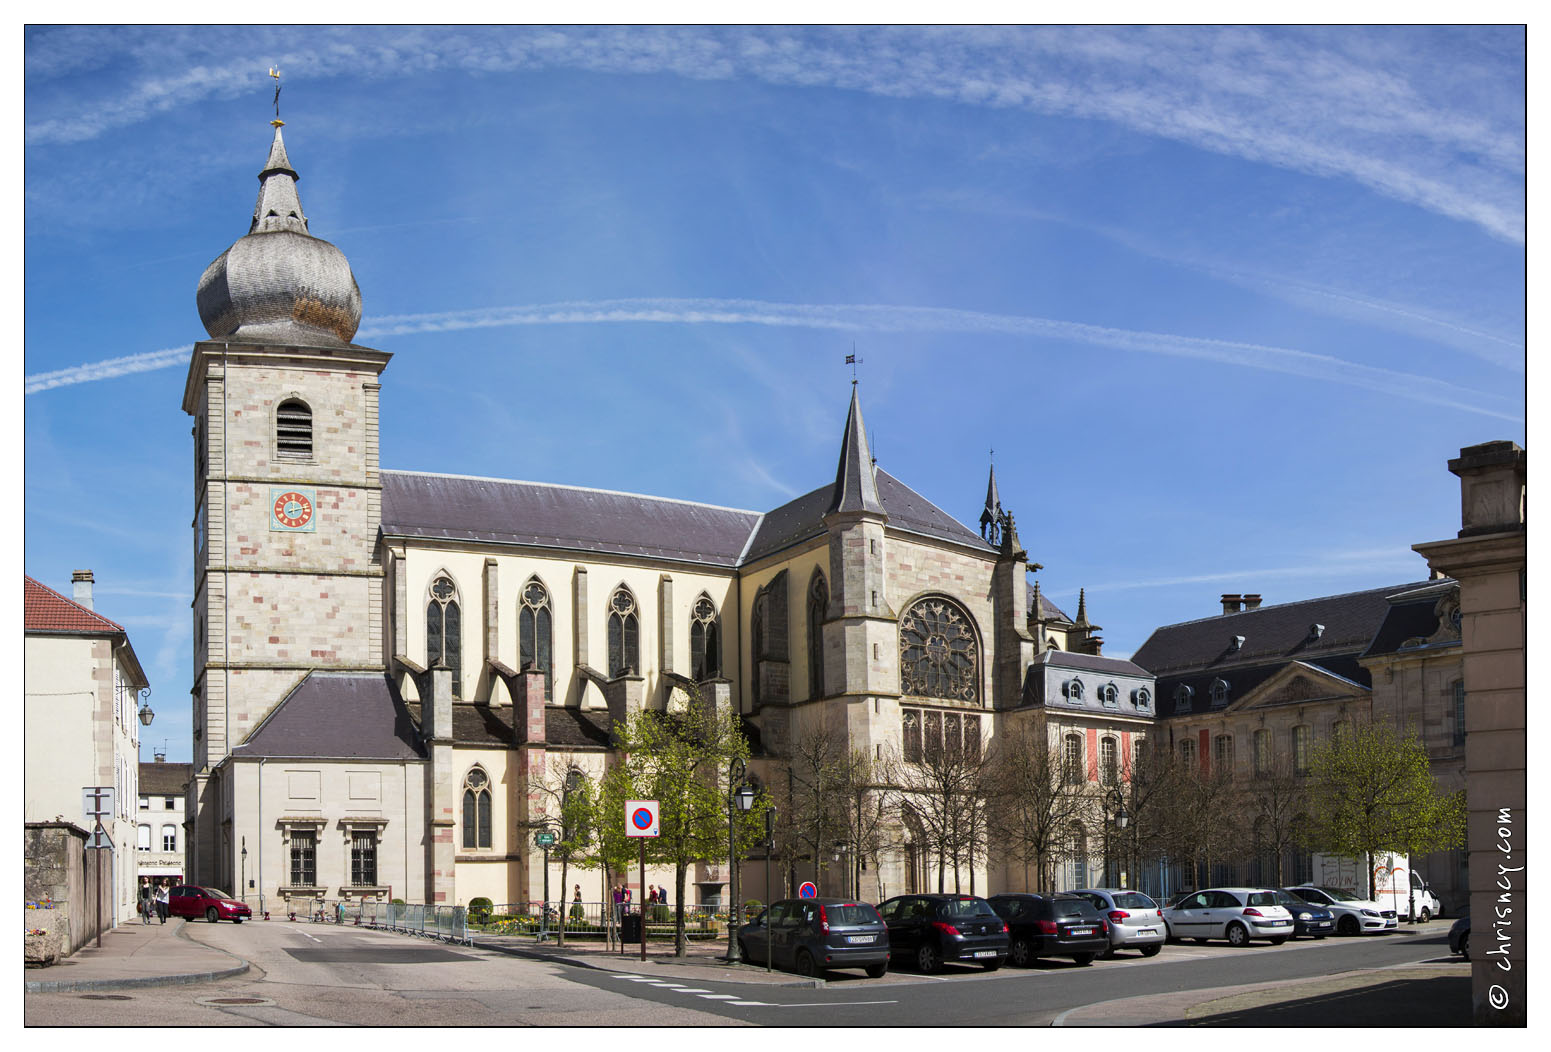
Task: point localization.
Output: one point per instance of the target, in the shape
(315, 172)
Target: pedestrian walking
(577, 912)
(651, 894)
(163, 893)
(145, 900)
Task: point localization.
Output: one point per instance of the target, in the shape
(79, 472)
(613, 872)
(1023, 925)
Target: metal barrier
(593, 920)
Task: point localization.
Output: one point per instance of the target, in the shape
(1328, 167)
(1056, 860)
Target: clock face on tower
(291, 510)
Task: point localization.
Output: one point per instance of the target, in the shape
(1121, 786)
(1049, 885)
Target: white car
(1354, 916)
(1235, 914)
(1134, 920)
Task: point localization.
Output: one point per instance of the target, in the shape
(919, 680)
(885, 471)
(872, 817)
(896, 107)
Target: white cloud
(873, 318)
(1431, 118)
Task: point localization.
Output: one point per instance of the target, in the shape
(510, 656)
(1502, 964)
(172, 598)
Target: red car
(191, 900)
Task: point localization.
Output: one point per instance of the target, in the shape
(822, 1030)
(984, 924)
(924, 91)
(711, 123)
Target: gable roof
(45, 610)
(461, 508)
(337, 715)
(164, 779)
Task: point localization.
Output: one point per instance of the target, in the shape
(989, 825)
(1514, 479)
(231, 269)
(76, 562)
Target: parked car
(1235, 914)
(811, 936)
(1308, 919)
(1051, 926)
(1135, 920)
(927, 930)
(1459, 936)
(191, 900)
(1354, 916)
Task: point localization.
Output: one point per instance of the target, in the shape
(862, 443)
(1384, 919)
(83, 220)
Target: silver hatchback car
(1135, 921)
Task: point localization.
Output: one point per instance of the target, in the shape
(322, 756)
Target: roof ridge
(114, 625)
(562, 485)
(1390, 589)
(935, 507)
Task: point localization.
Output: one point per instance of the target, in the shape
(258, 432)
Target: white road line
(624, 977)
(752, 1004)
(830, 1004)
(695, 990)
(671, 986)
(720, 997)
(645, 979)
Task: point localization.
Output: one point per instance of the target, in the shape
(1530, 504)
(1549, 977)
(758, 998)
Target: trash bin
(630, 928)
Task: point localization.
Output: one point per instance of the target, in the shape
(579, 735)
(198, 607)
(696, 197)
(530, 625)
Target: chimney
(161, 757)
(1230, 602)
(1252, 600)
(82, 580)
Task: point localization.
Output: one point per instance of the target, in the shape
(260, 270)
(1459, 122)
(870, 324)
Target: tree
(1032, 806)
(680, 759)
(568, 807)
(1200, 826)
(946, 788)
(815, 798)
(867, 813)
(1277, 804)
(1372, 790)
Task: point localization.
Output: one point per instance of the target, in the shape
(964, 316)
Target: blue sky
(1222, 301)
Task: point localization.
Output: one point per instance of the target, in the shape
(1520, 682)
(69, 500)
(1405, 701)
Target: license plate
(985, 953)
(1081, 931)
(860, 938)
(1278, 923)
(1147, 931)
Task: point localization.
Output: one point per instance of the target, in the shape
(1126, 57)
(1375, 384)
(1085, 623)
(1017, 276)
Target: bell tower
(287, 496)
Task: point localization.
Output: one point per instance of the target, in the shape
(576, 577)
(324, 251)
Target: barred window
(939, 654)
(304, 858)
(1071, 760)
(293, 430)
(535, 633)
(363, 858)
(818, 606)
(1459, 712)
(443, 630)
(476, 809)
(1300, 750)
(705, 640)
(624, 633)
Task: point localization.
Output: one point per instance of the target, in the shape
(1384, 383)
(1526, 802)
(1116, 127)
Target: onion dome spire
(279, 284)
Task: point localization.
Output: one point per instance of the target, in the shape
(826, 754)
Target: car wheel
(1238, 935)
(805, 965)
(1464, 946)
(236, 920)
(991, 966)
(743, 951)
(1427, 914)
(875, 971)
(1200, 941)
(1019, 952)
(1278, 940)
(1318, 937)
(1348, 926)
(1082, 960)
(1150, 951)
(927, 960)
(211, 915)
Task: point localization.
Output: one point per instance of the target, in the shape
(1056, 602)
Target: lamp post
(1115, 804)
(244, 869)
(842, 852)
(770, 814)
(740, 798)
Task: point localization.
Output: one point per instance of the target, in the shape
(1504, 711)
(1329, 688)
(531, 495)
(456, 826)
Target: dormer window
(1219, 693)
(293, 430)
(1143, 698)
(1183, 698)
(1072, 688)
(1109, 695)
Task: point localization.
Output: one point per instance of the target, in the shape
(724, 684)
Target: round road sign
(807, 891)
(641, 818)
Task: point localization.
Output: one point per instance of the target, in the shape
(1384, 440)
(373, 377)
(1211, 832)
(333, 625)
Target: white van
(1395, 884)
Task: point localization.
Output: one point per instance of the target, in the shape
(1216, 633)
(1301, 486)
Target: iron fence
(594, 920)
(440, 922)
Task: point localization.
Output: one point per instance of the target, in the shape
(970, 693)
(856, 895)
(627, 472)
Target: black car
(811, 936)
(1052, 926)
(1459, 936)
(927, 930)
(1309, 918)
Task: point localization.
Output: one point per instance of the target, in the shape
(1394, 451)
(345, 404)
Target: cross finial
(275, 73)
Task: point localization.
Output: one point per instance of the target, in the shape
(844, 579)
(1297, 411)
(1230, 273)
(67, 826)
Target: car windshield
(1071, 908)
(1133, 900)
(1340, 896)
(215, 893)
(853, 913)
(966, 908)
(1262, 898)
(1282, 898)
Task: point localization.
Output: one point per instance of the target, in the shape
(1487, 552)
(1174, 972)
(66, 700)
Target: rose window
(939, 655)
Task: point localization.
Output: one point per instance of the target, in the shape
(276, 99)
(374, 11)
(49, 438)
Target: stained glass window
(535, 634)
(624, 634)
(476, 809)
(705, 645)
(818, 606)
(939, 654)
(443, 633)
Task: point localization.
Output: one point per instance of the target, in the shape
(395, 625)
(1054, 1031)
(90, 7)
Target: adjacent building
(160, 837)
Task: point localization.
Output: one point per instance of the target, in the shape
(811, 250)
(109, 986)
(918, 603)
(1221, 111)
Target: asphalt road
(318, 975)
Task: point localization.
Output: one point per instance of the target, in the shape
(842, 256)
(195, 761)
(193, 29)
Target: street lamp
(244, 869)
(770, 814)
(843, 851)
(740, 799)
(1115, 804)
(145, 713)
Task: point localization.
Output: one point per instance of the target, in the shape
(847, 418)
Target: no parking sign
(641, 818)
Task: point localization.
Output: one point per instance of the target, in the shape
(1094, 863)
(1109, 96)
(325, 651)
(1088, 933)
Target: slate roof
(482, 725)
(164, 779)
(338, 715)
(1196, 653)
(45, 610)
(1092, 662)
(856, 488)
(1410, 616)
(1047, 610)
(803, 518)
(457, 507)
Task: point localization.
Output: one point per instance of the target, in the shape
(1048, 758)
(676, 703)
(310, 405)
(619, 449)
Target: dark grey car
(811, 936)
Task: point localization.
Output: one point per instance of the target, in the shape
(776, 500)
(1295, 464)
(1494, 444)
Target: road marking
(628, 976)
(752, 1004)
(720, 997)
(828, 1004)
(691, 990)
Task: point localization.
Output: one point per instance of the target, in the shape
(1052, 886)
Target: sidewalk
(136, 954)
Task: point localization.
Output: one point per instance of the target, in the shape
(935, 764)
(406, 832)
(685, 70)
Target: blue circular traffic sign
(642, 818)
(807, 891)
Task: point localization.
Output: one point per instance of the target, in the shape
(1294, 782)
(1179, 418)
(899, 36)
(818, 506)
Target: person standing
(577, 912)
(651, 894)
(163, 893)
(145, 900)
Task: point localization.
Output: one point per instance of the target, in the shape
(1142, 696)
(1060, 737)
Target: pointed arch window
(476, 809)
(705, 640)
(535, 633)
(444, 630)
(939, 652)
(293, 430)
(818, 606)
(624, 633)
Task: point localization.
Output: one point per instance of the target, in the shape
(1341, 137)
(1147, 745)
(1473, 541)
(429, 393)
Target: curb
(51, 986)
(582, 962)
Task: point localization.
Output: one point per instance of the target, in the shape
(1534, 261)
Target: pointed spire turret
(991, 517)
(856, 487)
(1082, 608)
(279, 206)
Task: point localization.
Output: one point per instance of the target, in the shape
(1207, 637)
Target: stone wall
(58, 869)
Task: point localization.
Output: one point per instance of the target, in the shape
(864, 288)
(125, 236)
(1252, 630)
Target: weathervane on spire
(853, 361)
(275, 73)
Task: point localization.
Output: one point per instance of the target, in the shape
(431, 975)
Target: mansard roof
(337, 715)
(1413, 616)
(500, 511)
(1092, 663)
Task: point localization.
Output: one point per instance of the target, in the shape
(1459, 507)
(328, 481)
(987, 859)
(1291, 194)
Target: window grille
(1459, 712)
(705, 645)
(624, 634)
(939, 655)
(293, 430)
(304, 858)
(535, 634)
(363, 859)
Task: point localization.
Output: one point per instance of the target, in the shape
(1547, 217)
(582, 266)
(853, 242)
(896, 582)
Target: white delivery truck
(1395, 884)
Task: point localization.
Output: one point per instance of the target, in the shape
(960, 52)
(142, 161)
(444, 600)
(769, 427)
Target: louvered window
(293, 430)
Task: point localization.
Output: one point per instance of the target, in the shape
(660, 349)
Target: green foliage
(1372, 790)
(479, 910)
